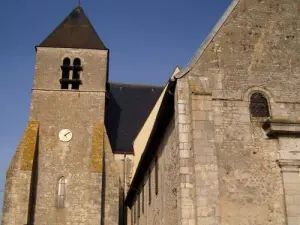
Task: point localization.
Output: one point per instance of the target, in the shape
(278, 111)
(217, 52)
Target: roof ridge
(137, 84)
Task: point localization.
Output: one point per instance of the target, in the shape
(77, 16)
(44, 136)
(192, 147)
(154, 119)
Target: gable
(256, 46)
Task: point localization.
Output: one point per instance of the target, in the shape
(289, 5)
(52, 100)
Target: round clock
(65, 135)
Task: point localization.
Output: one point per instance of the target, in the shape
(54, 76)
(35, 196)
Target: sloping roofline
(207, 41)
(163, 110)
(75, 31)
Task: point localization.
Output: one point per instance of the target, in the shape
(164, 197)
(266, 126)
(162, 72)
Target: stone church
(219, 144)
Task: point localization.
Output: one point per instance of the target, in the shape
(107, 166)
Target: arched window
(76, 73)
(259, 105)
(61, 193)
(66, 67)
(66, 62)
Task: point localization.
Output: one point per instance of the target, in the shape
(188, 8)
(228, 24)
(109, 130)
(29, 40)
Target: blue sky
(147, 39)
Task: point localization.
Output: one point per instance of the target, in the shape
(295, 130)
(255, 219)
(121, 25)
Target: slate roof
(127, 109)
(76, 31)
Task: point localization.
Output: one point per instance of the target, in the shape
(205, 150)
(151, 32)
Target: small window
(65, 73)
(156, 176)
(259, 106)
(149, 182)
(76, 73)
(61, 193)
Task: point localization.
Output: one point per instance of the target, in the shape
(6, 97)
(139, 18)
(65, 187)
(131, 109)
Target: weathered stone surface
(86, 162)
(163, 207)
(216, 163)
(97, 148)
(19, 178)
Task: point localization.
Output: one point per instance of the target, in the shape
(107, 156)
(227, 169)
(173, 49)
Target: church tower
(56, 175)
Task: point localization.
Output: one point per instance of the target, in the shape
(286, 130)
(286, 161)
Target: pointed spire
(76, 31)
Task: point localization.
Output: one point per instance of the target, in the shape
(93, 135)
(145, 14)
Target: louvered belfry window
(76, 69)
(66, 67)
(76, 73)
(259, 106)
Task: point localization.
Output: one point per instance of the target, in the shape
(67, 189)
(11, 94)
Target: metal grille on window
(259, 106)
(61, 193)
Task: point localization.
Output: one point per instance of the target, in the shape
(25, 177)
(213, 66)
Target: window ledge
(277, 127)
(70, 81)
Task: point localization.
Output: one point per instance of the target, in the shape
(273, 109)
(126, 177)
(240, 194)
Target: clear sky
(147, 39)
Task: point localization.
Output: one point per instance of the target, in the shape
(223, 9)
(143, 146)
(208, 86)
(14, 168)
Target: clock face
(65, 135)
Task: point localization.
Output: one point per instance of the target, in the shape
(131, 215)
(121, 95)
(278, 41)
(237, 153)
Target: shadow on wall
(121, 216)
(112, 120)
(103, 190)
(33, 186)
(122, 207)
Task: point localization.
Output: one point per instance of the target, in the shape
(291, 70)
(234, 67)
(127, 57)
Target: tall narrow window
(143, 200)
(259, 105)
(149, 182)
(132, 222)
(66, 67)
(139, 205)
(76, 73)
(61, 193)
(134, 213)
(156, 176)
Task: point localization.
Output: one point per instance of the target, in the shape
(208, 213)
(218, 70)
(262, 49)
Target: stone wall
(86, 162)
(20, 179)
(77, 111)
(48, 68)
(254, 51)
(248, 183)
(186, 192)
(163, 206)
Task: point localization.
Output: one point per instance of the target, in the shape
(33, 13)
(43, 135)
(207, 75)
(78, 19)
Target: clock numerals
(65, 135)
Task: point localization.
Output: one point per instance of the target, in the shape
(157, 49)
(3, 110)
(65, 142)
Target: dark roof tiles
(76, 31)
(128, 108)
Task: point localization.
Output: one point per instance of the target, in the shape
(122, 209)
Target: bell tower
(56, 174)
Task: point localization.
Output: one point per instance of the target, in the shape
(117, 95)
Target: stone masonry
(236, 168)
(91, 179)
(162, 208)
(254, 51)
(217, 162)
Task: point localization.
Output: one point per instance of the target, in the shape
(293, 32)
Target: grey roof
(127, 109)
(76, 31)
